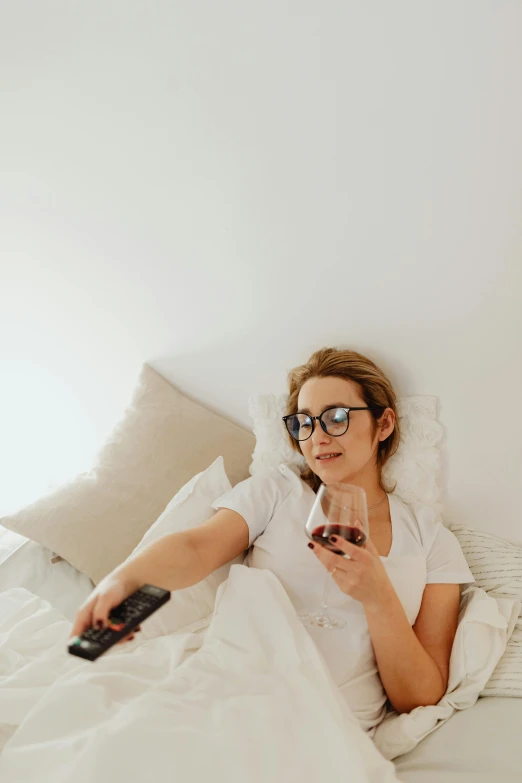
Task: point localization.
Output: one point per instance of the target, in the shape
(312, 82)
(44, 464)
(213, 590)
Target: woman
(399, 592)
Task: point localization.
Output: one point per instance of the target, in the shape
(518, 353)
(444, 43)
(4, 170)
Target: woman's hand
(110, 592)
(362, 576)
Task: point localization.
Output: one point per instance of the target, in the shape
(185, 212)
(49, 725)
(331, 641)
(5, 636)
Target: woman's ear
(386, 424)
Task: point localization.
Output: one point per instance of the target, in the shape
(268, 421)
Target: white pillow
(496, 565)
(190, 507)
(415, 467)
(24, 563)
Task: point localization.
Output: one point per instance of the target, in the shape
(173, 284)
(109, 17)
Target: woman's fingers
(350, 552)
(83, 620)
(96, 612)
(353, 551)
(102, 608)
(327, 558)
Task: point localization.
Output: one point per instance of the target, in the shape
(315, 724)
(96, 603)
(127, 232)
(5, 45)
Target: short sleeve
(257, 498)
(446, 563)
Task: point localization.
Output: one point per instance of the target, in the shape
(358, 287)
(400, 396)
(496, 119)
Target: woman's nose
(319, 435)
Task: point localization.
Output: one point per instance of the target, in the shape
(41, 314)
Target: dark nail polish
(333, 539)
(99, 623)
(311, 545)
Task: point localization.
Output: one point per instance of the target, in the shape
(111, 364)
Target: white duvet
(244, 697)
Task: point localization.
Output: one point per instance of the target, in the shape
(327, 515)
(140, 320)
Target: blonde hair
(376, 391)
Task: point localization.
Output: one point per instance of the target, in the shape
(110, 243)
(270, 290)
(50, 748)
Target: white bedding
(246, 698)
(36, 674)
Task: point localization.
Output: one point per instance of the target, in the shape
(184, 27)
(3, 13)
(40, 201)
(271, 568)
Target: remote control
(122, 619)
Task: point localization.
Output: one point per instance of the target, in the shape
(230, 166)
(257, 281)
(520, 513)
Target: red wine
(352, 534)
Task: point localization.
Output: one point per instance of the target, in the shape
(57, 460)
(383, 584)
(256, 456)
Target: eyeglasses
(334, 421)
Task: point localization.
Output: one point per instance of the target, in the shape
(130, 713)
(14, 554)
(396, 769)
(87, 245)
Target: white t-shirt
(275, 505)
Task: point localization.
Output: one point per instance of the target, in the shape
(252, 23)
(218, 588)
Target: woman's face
(357, 448)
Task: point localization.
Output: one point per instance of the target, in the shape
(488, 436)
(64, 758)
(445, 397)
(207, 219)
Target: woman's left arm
(413, 662)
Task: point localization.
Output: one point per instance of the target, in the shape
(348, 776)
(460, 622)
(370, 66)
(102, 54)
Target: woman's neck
(369, 481)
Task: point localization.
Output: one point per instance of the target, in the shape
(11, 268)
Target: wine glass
(338, 510)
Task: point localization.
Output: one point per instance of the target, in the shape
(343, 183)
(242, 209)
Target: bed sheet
(480, 745)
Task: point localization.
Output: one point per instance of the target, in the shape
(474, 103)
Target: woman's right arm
(173, 562)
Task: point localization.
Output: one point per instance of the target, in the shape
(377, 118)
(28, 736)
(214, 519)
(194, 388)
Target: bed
(40, 591)
(481, 744)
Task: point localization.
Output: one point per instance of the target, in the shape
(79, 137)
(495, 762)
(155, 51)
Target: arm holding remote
(173, 562)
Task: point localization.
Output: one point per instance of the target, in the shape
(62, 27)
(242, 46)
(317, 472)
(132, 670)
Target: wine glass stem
(327, 584)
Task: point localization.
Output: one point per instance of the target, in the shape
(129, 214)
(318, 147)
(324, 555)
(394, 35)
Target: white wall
(220, 188)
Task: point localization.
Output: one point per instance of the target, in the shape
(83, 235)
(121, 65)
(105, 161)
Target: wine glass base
(327, 621)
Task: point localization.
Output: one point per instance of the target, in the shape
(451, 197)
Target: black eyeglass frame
(319, 418)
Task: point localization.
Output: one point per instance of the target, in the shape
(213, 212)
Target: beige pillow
(164, 438)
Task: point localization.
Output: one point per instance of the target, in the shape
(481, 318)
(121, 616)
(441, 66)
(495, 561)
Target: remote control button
(116, 626)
